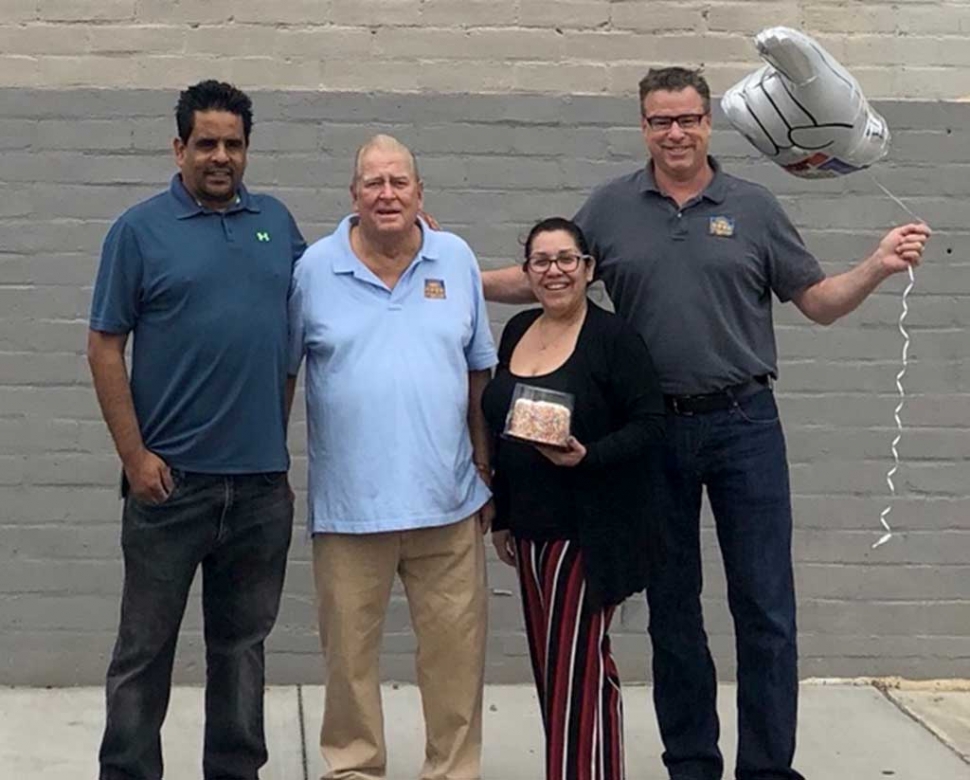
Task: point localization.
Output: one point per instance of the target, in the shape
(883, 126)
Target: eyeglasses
(565, 262)
(684, 121)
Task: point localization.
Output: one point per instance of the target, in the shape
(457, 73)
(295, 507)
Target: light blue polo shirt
(387, 384)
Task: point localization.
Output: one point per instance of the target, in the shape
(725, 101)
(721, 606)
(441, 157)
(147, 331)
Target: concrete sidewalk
(847, 732)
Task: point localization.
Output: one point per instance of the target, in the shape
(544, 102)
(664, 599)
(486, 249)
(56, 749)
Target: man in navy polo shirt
(199, 276)
(691, 255)
(392, 322)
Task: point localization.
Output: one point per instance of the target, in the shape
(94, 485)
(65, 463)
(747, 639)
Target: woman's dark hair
(212, 95)
(550, 224)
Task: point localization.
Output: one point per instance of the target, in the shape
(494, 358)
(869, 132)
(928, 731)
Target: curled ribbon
(899, 381)
(899, 407)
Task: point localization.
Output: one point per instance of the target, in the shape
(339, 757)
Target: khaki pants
(443, 572)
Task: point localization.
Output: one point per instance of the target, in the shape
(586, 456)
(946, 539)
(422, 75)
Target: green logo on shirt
(262, 236)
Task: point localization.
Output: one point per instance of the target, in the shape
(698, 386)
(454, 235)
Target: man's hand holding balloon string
(807, 113)
(904, 251)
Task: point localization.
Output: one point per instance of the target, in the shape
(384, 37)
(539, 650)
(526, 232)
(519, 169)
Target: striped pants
(576, 677)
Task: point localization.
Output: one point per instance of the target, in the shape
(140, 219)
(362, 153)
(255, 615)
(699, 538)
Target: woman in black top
(578, 523)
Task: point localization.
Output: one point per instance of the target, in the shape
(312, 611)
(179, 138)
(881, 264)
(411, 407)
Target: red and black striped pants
(576, 677)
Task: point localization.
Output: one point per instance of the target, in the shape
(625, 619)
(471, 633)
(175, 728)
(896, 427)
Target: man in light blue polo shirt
(392, 322)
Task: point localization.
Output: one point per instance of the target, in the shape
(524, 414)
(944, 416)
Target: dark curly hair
(212, 95)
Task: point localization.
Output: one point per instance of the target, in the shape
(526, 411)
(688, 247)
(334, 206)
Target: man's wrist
(879, 267)
(132, 456)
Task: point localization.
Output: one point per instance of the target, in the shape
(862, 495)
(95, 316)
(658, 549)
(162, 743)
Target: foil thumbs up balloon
(804, 111)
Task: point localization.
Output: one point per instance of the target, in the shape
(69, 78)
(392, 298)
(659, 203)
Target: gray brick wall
(70, 161)
(913, 49)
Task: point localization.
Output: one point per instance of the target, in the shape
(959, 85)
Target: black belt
(717, 401)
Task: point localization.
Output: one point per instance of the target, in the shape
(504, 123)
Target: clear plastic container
(539, 416)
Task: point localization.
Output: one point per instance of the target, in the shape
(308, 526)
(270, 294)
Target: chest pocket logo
(723, 227)
(434, 288)
(262, 236)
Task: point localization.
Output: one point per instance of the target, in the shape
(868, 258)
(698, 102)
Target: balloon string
(899, 378)
(899, 407)
(894, 199)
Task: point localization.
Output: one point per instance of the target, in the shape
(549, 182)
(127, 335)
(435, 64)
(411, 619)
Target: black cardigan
(614, 500)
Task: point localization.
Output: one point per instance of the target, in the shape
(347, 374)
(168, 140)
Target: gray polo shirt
(697, 281)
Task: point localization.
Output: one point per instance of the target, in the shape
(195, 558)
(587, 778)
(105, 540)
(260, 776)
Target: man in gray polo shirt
(691, 255)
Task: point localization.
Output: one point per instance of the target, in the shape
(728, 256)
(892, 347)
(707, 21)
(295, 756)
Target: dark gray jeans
(238, 528)
(739, 456)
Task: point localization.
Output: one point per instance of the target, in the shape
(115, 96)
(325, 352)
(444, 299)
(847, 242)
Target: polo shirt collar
(190, 207)
(715, 191)
(347, 262)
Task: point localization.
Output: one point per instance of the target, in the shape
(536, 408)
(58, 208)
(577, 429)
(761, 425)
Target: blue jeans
(238, 528)
(738, 454)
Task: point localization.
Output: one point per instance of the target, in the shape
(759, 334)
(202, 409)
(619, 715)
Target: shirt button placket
(680, 226)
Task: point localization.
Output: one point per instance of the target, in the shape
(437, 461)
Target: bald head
(387, 144)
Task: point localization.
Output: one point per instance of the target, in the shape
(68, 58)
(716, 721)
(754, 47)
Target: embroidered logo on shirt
(434, 288)
(262, 235)
(721, 226)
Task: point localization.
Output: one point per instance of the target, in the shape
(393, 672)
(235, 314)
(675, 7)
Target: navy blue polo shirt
(696, 280)
(204, 294)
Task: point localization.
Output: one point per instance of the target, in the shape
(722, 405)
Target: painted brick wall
(897, 48)
(71, 160)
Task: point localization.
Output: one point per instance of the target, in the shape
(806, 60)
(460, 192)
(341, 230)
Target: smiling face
(677, 153)
(557, 289)
(213, 159)
(386, 192)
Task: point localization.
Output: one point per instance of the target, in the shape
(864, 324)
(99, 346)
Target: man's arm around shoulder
(507, 285)
(500, 285)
